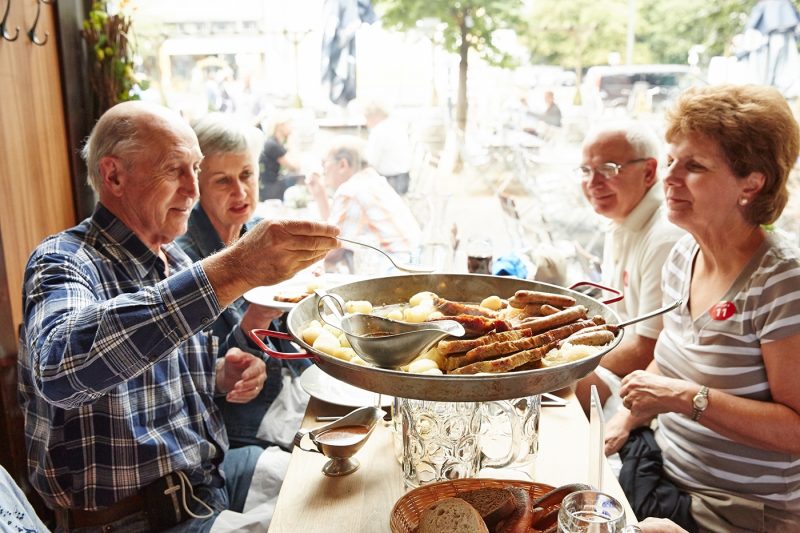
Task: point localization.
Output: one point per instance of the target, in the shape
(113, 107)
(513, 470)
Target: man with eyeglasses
(619, 179)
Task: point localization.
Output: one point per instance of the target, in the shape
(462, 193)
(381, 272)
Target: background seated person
(364, 206)
(277, 168)
(388, 148)
(618, 175)
(228, 184)
(117, 368)
(723, 384)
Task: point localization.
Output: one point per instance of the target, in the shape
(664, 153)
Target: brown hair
(756, 131)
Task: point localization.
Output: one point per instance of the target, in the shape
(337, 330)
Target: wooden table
(309, 501)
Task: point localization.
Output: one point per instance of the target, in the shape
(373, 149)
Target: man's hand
(240, 376)
(271, 252)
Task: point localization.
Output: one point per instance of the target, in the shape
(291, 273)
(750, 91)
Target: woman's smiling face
(701, 191)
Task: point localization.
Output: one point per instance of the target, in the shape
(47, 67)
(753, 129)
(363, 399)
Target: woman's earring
(743, 201)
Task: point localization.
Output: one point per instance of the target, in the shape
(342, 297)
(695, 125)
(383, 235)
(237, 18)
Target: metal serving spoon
(414, 269)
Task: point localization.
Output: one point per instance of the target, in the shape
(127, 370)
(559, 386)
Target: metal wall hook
(3, 31)
(32, 32)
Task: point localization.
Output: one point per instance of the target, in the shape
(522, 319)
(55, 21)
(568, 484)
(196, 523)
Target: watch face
(700, 402)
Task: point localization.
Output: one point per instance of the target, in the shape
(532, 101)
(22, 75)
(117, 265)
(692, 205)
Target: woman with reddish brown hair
(722, 385)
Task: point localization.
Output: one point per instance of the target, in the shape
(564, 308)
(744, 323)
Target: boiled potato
(356, 360)
(433, 372)
(422, 297)
(416, 314)
(395, 314)
(418, 366)
(327, 343)
(345, 354)
(311, 333)
(358, 306)
(492, 302)
(343, 341)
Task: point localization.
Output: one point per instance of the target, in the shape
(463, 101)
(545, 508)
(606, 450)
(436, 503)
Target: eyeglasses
(608, 170)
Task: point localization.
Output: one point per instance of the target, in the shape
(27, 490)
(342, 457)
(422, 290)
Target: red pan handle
(619, 296)
(255, 334)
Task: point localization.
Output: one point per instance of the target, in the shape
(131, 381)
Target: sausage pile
(534, 324)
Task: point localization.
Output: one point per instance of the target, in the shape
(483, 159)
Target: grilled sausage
(524, 297)
(463, 345)
(450, 308)
(495, 349)
(566, 316)
(504, 364)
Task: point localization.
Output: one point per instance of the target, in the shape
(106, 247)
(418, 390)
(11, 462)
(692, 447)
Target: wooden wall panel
(35, 184)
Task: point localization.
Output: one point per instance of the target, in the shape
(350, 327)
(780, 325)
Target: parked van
(653, 86)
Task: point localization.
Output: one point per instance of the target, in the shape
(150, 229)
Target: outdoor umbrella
(774, 60)
(341, 19)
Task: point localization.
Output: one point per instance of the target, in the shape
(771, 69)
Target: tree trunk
(461, 102)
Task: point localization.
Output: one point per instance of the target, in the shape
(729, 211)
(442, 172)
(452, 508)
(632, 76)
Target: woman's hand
(647, 394)
(618, 429)
(659, 525)
(240, 376)
(258, 317)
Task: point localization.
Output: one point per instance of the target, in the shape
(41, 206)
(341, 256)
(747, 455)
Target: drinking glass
(510, 435)
(440, 440)
(591, 511)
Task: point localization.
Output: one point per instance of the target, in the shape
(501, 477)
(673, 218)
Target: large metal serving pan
(458, 287)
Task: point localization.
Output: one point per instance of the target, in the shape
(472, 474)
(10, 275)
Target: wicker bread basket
(406, 511)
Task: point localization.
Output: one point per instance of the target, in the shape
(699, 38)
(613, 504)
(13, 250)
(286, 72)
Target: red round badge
(722, 311)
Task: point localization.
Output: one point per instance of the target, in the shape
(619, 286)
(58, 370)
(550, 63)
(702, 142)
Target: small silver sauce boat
(340, 440)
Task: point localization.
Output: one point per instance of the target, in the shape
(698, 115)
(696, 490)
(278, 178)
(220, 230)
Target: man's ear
(650, 172)
(111, 172)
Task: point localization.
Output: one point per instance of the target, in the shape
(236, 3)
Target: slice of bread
(493, 504)
(451, 515)
(521, 519)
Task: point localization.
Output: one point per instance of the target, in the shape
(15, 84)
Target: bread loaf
(493, 504)
(451, 515)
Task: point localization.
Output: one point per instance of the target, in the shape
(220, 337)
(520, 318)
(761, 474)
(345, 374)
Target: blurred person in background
(619, 179)
(388, 148)
(228, 184)
(723, 384)
(278, 169)
(363, 204)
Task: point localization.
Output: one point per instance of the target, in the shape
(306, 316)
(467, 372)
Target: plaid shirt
(116, 376)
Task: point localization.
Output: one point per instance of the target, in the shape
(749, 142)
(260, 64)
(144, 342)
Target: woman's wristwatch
(699, 403)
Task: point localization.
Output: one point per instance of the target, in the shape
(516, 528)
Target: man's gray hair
(640, 137)
(219, 133)
(351, 149)
(110, 138)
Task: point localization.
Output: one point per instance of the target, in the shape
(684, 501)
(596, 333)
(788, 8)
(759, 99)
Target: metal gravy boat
(340, 440)
(382, 341)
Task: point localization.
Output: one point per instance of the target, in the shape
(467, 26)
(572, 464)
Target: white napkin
(261, 498)
(285, 416)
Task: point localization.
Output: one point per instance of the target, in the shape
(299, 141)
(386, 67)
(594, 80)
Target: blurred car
(652, 87)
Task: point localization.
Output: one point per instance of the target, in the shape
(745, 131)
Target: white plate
(297, 285)
(329, 389)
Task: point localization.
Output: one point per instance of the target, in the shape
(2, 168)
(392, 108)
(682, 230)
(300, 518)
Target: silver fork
(405, 267)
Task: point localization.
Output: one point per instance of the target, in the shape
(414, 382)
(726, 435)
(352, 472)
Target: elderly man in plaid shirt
(118, 370)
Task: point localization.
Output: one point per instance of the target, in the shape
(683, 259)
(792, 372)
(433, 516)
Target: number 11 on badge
(596, 440)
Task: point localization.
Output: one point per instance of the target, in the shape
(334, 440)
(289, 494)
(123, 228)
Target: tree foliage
(579, 33)
(466, 25)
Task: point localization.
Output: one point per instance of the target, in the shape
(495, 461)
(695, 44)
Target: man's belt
(76, 518)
